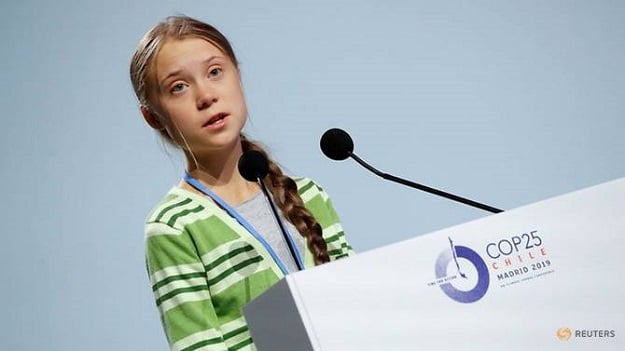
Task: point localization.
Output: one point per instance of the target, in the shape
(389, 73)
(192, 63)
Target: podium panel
(546, 276)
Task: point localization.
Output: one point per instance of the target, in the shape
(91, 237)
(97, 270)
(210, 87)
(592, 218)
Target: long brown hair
(283, 188)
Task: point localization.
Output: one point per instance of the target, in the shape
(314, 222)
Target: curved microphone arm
(424, 187)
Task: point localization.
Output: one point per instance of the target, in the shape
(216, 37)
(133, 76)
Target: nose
(206, 96)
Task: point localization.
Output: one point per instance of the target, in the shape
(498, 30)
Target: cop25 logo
(467, 279)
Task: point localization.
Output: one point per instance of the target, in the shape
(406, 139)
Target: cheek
(243, 106)
(176, 111)
(239, 96)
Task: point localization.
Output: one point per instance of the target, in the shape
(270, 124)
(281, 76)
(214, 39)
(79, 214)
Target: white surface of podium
(547, 276)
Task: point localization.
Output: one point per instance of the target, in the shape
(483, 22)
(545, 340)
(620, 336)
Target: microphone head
(253, 165)
(336, 144)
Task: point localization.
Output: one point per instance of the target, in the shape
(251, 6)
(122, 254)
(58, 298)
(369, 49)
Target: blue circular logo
(483, 278)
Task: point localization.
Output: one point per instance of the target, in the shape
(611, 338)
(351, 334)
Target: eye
(178, 87)
(215, 72)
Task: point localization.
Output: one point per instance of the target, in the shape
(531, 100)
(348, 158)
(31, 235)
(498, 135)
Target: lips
(215, 119)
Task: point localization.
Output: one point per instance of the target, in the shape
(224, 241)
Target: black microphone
(338, 145)
(254, 166)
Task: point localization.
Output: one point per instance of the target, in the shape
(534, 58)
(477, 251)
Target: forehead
(177, 54)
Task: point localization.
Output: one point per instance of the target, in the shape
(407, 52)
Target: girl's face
(198, 95)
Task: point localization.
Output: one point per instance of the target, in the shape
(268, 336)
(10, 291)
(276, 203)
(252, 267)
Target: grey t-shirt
(258, 213)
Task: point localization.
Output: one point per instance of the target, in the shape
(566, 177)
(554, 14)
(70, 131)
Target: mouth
(215, 119)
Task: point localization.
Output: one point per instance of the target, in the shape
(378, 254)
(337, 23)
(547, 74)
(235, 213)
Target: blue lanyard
(234, 214)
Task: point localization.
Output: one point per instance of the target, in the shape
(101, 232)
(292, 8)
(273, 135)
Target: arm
(178, 280)
(319, 203)
(338, 247)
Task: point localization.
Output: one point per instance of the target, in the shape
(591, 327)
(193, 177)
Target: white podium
(548, 276)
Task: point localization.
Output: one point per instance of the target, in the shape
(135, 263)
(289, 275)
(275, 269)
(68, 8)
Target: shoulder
(177, 209)
(308, 189)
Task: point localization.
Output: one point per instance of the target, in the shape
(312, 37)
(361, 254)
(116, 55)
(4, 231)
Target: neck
(219, 172)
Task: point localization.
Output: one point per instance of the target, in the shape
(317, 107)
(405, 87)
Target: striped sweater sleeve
(338, 247)
(178, 280)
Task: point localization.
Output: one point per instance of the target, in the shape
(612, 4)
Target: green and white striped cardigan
(204, 266)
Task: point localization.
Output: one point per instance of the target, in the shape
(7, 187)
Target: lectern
(547, 276)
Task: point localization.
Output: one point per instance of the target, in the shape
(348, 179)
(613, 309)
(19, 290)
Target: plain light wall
(505, 102)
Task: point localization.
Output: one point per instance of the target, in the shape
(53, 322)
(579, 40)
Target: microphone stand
(254, 166)
(289, 241)
(424, 187)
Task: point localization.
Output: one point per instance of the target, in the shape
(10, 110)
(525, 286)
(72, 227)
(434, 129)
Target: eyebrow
(177, 72)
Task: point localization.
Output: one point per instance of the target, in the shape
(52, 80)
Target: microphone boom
(337, 145)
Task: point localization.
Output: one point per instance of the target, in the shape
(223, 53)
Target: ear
(151, 118)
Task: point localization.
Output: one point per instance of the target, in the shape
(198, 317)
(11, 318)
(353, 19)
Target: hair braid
(284, 191)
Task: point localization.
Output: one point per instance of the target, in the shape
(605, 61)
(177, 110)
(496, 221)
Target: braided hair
(284, 191)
